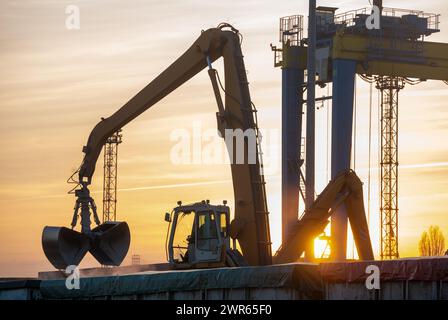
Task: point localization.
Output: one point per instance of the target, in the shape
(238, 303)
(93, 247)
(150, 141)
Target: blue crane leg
(341, 137)
(292, 104)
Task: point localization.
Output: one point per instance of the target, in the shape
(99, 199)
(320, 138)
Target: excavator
(211, 240)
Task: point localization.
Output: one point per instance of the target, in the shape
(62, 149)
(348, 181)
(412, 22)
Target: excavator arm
(344, 189)
(251, 224)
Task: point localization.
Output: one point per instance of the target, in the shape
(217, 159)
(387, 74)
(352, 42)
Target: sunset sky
(56, 83)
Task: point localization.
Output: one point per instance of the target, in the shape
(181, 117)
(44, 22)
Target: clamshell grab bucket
(108, 243)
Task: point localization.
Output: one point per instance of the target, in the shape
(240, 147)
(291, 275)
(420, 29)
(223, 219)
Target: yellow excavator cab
(198, 235)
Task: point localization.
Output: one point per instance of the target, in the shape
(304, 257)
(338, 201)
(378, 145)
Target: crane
(109, 242)
(251, 215)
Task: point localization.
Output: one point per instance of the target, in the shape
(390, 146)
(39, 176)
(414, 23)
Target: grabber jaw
(110, 242)
(63, 246)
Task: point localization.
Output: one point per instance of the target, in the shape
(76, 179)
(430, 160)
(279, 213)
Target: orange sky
(57, 83)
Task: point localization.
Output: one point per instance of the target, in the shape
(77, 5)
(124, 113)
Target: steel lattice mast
(389, 88)
(110, 177)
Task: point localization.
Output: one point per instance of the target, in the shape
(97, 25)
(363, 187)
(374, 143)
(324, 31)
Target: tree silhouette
(432, 242)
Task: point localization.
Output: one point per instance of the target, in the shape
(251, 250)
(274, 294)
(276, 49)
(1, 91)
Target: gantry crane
(390, 56)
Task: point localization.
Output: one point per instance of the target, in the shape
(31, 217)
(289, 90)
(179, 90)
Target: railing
(432, 18)
(291, 30)
(348, 18)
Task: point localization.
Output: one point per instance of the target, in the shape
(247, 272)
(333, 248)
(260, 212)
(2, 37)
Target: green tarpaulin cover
(300, 276)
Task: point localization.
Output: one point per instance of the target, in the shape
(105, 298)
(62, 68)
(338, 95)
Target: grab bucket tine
(110, 243)
(63, 246)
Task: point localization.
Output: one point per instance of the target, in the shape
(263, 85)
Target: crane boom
(251, 224)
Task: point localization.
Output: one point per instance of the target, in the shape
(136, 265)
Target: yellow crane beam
(430, 58)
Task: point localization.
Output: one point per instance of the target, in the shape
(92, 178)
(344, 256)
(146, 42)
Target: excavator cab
(198, 235)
